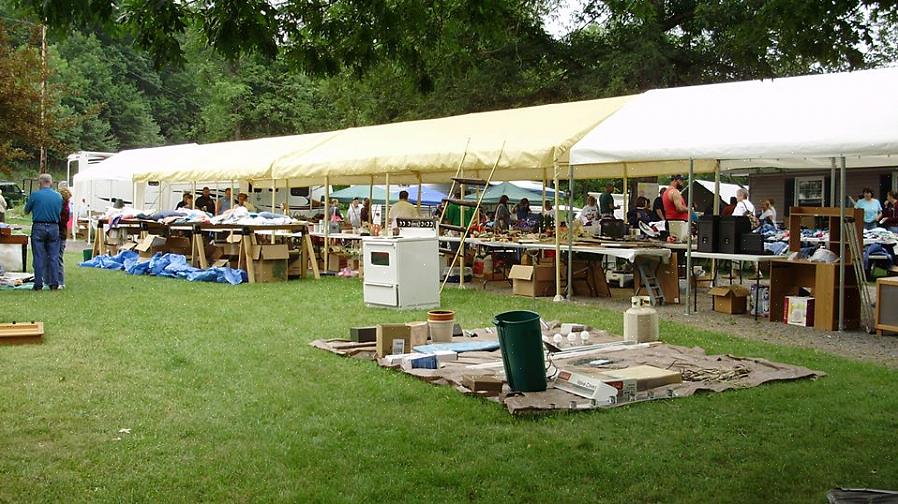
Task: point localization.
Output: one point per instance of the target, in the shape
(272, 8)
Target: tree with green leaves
(28, 118)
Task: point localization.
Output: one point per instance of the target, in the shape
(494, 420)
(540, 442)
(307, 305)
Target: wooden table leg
(250, 266)
(200, 250)
(311, 254)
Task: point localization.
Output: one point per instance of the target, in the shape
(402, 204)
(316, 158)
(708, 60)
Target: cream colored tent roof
(239, 160)
(536, 139)
(122, 166)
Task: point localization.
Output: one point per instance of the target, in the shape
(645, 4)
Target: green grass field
(225, 401)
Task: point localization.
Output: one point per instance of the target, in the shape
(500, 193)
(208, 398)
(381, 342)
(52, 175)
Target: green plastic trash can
(521, 342)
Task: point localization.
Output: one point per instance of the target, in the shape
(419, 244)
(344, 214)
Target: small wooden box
(19, 333)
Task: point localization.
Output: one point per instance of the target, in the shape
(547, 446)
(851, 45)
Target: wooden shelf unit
(796, 214)
(887, 305)
(786, 277)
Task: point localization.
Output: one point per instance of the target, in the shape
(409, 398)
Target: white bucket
(441, 330)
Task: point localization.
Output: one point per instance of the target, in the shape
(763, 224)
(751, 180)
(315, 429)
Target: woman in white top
(590, 212)
(768, 212)
(743, 205)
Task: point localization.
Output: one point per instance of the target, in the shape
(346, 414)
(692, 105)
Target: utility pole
(43, 167)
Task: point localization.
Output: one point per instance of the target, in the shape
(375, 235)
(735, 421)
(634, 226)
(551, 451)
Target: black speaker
(730, 233)
(708, 226)
(752, 243)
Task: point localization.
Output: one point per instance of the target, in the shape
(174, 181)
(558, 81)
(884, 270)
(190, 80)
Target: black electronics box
(708, 226)
(752, 243)
(363, 334)
(729, 233)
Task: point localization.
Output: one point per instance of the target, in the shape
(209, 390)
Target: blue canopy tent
(429, 195)
(361, 192)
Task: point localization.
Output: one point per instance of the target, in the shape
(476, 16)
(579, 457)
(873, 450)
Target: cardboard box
(178, 245)
(626, 388)
(270, 262)
(732, 299)
(799, 311)
(419, 333)
(393, 339)
(295, 266)
(489, 385)
(647, 377)
(271, 252)
(271, 271)
(213, 253)
(428, 361)
(363, 334)
(149, 243)
(533, 280)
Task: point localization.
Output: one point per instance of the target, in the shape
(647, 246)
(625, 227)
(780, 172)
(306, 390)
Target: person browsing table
(45, 207)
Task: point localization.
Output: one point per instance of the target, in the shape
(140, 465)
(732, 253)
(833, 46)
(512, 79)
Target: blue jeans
(61, 263)
(871, 225)
(45, 247)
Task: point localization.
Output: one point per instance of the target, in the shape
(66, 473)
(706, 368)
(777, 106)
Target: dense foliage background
(128, 74)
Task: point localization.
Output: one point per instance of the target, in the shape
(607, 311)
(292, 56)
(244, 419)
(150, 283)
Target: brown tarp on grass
(700, 372)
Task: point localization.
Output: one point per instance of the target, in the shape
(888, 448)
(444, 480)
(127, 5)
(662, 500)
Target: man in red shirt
(674, 206)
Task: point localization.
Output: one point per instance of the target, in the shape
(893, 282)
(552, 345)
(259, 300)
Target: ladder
(461, 182)
(650, 281)
(849, 228)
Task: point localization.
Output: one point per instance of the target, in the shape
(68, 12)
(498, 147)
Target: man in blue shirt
(45, 205)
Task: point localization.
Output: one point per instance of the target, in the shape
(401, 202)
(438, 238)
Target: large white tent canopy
(795, 122)
(224, 161)
(125, 164)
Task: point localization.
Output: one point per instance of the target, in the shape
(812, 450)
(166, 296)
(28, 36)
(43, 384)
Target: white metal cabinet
(401, 272)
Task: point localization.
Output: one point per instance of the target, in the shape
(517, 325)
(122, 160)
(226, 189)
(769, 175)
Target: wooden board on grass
(19, 333)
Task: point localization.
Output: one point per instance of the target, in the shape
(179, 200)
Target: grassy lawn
(225, 401)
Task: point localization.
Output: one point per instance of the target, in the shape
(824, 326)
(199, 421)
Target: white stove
(401, 272)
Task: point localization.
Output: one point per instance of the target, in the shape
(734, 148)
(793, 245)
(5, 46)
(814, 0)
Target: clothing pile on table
(241, 216)
(165, 265)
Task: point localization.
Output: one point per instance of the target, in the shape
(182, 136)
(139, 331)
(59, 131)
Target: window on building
(809, 191)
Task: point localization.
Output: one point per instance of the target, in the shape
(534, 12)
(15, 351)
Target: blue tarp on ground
(166, 265)
(467, 346)
(116, 262)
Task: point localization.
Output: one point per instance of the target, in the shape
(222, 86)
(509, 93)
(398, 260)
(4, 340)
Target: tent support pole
(689, 239)
(193, 199)
(327, 220)
(287, 199)
(570, 236)
(832, 183)
(231, 202)
(370, 198)
(626, 194)
(544, 191)
(467, 225)
(716, 207)
(717, 188)
(558, 296)
(842, 250)
(388, 226)
(274, 187)
(419, 195)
